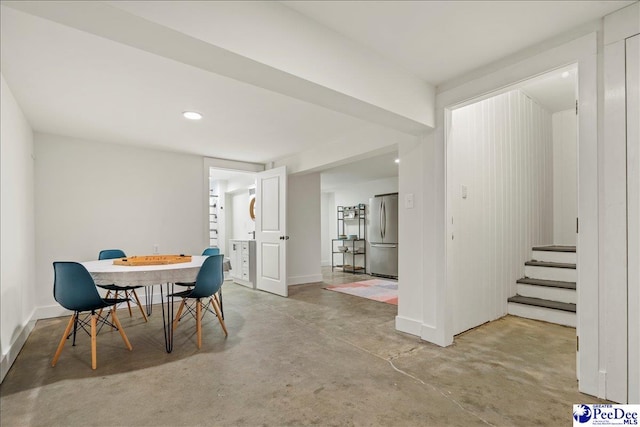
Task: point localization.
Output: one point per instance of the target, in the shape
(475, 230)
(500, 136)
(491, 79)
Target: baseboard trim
(301, 280)
(408, 326)
(10, 356)
(50, 311)
(433, 335)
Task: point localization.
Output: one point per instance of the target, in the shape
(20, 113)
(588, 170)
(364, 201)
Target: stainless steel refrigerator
(383, 235)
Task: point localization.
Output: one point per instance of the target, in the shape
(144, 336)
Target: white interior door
(271, 236)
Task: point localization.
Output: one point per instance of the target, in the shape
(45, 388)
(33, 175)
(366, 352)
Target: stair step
(549, 283)
(555, 248)
(558, 317)
(538, 302)
(547, 293)
(549, 271)
(552, 256)
(550, 264)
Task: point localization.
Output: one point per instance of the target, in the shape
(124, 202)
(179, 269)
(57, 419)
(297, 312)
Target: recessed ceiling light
(397, 160)
(192, 115)
(565, 74)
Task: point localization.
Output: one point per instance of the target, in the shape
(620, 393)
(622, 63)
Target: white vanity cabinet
(242, 255)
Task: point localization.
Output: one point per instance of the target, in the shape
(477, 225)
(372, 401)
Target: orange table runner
(152, 260)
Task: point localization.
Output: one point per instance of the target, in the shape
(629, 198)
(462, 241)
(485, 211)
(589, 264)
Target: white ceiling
(69, 82)
(441, 40)
(556, 90)
(378, 167)
(73, 83)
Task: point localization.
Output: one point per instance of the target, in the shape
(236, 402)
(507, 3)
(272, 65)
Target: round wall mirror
(252, 208)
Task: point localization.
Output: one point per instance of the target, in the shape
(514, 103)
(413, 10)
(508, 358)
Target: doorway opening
(351, 195)
(231, 225)
(512, 203)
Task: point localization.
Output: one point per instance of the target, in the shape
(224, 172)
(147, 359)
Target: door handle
(284, 237)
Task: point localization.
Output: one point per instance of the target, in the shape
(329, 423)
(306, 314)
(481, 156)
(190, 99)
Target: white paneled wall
(500, 153)
(565, 190)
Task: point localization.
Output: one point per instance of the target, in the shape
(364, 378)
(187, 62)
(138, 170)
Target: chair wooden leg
(115, 295)
(135, 295)
(127, 295)
(122, 334)
(177, 319)
(214, 302)
(199, 321)
(67, 331)
(105, 297)
(94, 360)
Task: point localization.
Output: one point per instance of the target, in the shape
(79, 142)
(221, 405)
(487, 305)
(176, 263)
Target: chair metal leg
(122, 334)
(64, 339)
(94, 360)
(220, 296)
(199, 322)
(135, 295)
(75, 330)
(214, 302)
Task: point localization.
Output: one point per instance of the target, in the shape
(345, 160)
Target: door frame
(230, 165)
(582, 51)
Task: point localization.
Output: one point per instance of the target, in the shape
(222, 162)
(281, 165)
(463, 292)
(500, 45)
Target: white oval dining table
(105, 272)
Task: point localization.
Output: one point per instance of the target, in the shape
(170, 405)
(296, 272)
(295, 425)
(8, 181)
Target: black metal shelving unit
(350, 217)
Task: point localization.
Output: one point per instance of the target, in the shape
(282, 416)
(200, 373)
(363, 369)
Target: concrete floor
(315, 358)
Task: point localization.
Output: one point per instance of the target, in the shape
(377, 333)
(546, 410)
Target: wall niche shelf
(213, 219)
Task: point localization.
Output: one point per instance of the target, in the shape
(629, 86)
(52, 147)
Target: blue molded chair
(129, 291)
(209, 252)
(207, 285)
(75, 290)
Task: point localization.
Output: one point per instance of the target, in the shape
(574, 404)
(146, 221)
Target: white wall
(17, 228)
(565, 173)
(303, 228)
(501, 150)
(417, 260)
(327, 225)
(633, 212)
(351, 195)
(619, 376)
(91, 196)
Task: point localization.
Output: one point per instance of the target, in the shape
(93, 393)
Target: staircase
(548, 290)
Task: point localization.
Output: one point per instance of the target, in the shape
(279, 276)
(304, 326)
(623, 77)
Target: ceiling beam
(115, 24)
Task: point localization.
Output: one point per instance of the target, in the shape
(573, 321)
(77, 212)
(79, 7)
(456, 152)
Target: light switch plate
(464, 191)
(408, 200)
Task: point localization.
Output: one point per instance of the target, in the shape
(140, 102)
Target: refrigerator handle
(384, 245)
(384, 219)
(380, 219)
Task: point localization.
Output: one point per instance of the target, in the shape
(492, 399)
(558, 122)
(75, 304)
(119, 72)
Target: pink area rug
(375, 289)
